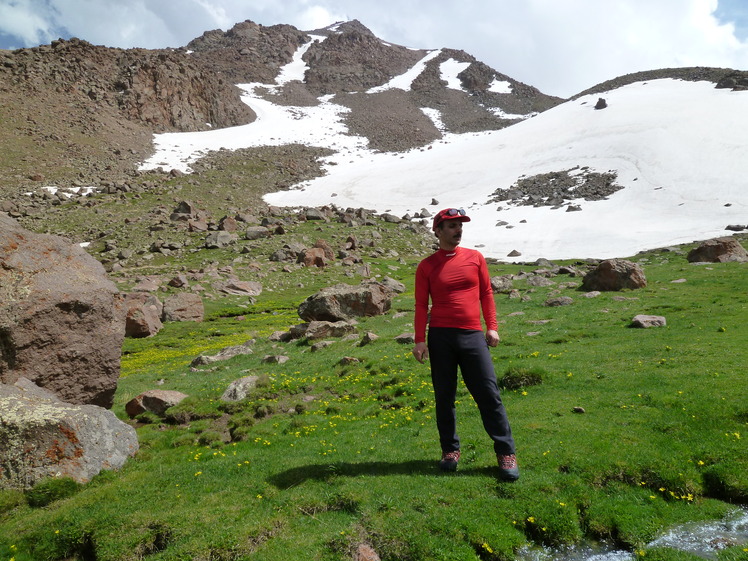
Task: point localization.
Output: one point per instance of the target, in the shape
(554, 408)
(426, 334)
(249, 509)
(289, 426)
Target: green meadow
(621, 432)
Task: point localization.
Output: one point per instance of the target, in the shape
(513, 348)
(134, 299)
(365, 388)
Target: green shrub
(210, 438)
(10, 499)
(192, 408)
(517, 377)
(51, 490)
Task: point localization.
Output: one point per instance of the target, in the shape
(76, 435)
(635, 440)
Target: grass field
(628, 432)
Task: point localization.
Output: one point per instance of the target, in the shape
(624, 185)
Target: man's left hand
(492, 337)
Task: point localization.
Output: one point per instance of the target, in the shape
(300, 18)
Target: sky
(677, 148)
(561, 47)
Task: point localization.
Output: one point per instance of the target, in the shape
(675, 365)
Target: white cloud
(25, 23)
(317, 17)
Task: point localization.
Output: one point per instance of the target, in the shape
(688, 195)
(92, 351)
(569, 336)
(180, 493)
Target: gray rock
(239, 288)
(343, 302)
(42, 436)
(501, 284)
(406, 338)
(645, 321)
(225, 353)
(219, 239)
(239, 389)
(559, 301)
(322, 329)
(256, 233)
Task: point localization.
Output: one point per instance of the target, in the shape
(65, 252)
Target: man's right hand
(421, 352)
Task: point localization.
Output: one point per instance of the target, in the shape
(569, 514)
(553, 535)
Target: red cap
(450, 214)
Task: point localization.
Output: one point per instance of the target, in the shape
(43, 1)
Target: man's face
(449, 233)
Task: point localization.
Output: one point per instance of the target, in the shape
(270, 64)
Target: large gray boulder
(61, 319)
(42, 436)
(344, 302)
(613, 275)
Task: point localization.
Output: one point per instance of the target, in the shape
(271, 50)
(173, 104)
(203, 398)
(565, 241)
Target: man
(457, 282)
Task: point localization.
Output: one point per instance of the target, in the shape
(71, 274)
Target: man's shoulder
(468, 253)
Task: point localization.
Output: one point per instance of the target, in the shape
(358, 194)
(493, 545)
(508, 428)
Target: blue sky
(735, 12)
(560, 47)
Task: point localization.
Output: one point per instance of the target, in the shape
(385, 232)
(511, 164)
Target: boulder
(718, 250)
(323, 329)
(184, 211)
(143, 314)
(179, 281)
(369, 337)
(225, 353)
(153, 401)
(42, 436)
(558, 301)
(183, 306)
(313, 257)
(344, 302)
(326, 249)
(406, 339)
(256, 233)
(501, 284)
(239, 288)
(275, 359)
(219, 239)
(645, 321)
(239, 389)
(61, 319)
(613, 275)
(315, 214)
(393, 285)
(228, 224)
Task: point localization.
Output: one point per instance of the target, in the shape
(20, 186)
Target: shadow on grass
(323, 472)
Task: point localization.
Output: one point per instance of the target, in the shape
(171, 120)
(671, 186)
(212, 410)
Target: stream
(704, 539)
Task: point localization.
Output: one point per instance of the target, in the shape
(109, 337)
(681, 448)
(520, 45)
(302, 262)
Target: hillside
(72, 113)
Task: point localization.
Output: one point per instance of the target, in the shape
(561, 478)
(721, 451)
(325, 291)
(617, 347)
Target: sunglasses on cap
(450, 214)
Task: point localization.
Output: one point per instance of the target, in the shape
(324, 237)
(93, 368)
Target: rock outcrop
(61, 319)
(718, 250)
(153, 401)
(344, 302)
(613, 275)
(143, 314)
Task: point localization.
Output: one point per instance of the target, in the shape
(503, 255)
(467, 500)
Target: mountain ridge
(74, 114)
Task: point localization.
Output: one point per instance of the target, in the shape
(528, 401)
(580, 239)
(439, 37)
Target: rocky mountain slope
(80, 117)
(72, 111)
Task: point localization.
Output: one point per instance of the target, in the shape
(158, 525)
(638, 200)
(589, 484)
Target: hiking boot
(449, 461)
(508, 469)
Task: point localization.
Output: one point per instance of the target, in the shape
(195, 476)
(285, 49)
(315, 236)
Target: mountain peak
(340, 27)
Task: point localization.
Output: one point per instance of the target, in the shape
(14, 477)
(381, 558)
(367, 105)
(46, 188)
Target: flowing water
(704, 539)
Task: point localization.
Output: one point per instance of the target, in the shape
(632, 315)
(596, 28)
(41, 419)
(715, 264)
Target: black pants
(448, 349)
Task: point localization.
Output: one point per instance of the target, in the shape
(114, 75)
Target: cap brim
(460, 217)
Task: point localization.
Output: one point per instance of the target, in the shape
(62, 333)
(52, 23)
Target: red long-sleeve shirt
(459, 287)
